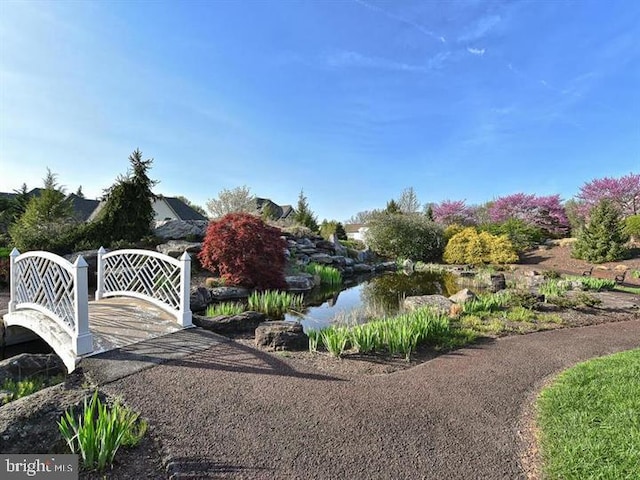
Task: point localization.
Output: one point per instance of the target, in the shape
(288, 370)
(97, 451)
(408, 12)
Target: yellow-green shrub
(452, 230)
(469, 246)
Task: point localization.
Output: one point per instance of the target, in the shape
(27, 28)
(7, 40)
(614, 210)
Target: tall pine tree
(128, 211)
(603, 239)
(304, 216)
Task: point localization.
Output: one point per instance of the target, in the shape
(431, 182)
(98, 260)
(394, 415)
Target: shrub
(353, 244)
(603, 239)
(244, 251)
(328, 228)
(632, 227)
(405, 236)
(469, 246)
(5, 268)
(522, 235)
(452, 230)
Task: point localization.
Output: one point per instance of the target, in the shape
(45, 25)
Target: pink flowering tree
(623, 192)
(449, 212)
(544, 212)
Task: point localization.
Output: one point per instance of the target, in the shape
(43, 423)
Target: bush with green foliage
(328, 228)
(451, 230)
(405, 236)
(472, 247)
(632, 227)
(603, 239)
(47, 222)
(521, 234)
(244, 251)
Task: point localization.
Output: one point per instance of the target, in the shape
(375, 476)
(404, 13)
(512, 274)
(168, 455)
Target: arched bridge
(49, 296)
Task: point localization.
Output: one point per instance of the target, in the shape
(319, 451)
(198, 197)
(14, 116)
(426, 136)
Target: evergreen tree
(128, 210)
(46, 218)
(304, 216)
(429, 212)
(392, 207)
(603, 239)
(327, 228)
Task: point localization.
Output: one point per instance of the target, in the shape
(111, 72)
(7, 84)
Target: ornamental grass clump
(593, 283)
(225, 308)
(275, 303)
(364, 338)
(314, 339)
(328, 275)
(484, 304)
(553, 288)
(99, 431)
(335, 340)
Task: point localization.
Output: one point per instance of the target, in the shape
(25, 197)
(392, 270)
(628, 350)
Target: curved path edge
(230, 411)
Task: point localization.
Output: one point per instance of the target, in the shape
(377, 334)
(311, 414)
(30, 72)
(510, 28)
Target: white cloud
(476, 51)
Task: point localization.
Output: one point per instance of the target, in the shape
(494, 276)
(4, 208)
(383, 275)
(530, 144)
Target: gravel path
(234, 412)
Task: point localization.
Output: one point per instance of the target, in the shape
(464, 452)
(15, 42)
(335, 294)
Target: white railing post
(83, 341)
(185, 291)
(13, 279)
(100, 279)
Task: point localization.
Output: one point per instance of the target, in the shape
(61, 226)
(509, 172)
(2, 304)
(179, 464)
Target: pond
(374, 297)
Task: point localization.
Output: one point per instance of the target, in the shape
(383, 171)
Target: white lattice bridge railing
(56, 288)
(152, 276)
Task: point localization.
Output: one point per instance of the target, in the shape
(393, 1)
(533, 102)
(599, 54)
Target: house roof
(82, 207)
(280, 211)
(182, 210)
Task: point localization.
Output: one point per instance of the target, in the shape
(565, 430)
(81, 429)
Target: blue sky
(351, 100)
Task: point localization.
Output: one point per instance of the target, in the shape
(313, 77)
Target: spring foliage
(603, 239)
(472, 247)
(245, 251)
(543, 212)
(405, 236)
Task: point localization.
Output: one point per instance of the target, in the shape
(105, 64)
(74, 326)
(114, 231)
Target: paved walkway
(232, 412)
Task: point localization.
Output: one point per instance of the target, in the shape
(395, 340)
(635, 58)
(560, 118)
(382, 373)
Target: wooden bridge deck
(119, 321)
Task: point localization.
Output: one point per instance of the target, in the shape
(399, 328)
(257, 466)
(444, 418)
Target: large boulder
(281, 335)
(180, 229)
(362, 268)
(321, 258)
(439, 303)
(462, 296)
(498, 282)
(219, 294)
(29, 423)
(225, 324)
(175, 248)
(200, 298)
(300, 283)
(27, 365)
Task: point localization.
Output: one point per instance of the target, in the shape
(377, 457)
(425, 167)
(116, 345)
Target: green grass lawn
(589, 420)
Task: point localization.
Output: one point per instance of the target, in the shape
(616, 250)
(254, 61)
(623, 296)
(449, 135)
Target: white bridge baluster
(152, 276)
